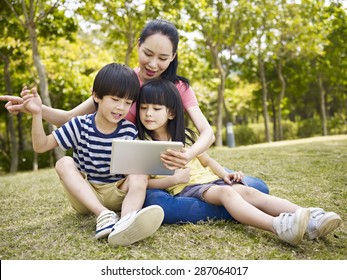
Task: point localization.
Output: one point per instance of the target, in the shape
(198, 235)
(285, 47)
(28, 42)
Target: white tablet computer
(140, 156)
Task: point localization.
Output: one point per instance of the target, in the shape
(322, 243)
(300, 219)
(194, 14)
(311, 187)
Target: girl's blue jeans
(188, 209)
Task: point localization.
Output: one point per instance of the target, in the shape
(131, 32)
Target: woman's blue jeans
(189, 209)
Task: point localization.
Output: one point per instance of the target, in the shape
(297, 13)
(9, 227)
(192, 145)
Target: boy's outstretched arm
(41, 142)
(59, 117)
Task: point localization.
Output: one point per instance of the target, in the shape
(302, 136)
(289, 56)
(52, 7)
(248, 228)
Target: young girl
(160, 118)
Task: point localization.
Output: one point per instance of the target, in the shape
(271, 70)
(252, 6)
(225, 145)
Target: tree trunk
(265, 93)
(21, 140)
(35, 162)
(43, 79)
(274, 118)
(220, 96)
(280, 98)
(322, 104)
(130, 45)
(220, 100)
(10, 122)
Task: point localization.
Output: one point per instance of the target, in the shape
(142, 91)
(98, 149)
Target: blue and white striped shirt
(91, 148)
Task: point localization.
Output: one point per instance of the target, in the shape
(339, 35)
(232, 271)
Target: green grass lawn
(38, 223)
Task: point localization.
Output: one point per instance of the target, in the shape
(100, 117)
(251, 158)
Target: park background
(276, 70)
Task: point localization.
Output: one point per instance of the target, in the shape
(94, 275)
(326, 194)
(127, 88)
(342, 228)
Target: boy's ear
(95, 98)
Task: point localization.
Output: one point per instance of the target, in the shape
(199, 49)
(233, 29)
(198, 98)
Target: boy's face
(112, 109)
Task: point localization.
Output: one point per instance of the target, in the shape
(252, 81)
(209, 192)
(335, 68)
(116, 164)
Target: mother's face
(155, 55)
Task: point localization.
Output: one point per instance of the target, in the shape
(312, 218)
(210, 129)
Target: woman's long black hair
(164, 92)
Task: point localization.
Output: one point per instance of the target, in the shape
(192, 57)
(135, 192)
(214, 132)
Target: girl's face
(155, 117)
(155, 55)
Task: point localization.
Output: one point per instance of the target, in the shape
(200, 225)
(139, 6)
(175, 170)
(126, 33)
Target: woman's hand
(175, 159)
(231, 178)
(15, 104)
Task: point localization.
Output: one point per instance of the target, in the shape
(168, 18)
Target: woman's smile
(150, 73)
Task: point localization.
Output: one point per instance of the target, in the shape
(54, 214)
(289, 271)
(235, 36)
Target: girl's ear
(171, 115)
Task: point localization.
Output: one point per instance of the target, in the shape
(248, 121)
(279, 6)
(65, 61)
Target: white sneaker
(104, 223)
(291, 227)
(321, 223)
(136, 226)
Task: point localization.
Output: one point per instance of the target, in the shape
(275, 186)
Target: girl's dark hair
(116, 80)
(168, 29)
(163, 92)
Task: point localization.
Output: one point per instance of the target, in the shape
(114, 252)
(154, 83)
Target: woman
(158, 57)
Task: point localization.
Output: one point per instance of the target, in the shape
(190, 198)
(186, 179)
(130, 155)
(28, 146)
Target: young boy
(88, 183)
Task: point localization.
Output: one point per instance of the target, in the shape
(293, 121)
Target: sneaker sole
(145, 223)
(330, 224)
(301, 221)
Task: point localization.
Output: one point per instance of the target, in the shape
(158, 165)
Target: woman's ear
(173, 57)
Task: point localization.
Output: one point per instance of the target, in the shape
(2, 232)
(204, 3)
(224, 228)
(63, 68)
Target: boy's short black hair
(116, 80)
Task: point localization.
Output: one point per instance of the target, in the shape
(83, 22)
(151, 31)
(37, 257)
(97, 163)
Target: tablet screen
(140, 156)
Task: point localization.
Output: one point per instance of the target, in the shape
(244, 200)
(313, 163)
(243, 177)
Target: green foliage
(5, 163)
(71, 70)
(26, 159)
(338, 124)
(309, 128)
(255, 133)
(244, 135)
(290, 130)
(57, 25)
(307, 37)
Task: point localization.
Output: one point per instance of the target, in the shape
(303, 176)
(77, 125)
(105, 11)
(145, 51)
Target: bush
(26, 159)
(244, 135)
(290, 130)
(259, 131)
(309, 128)
(4, 164)
(337, 124)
